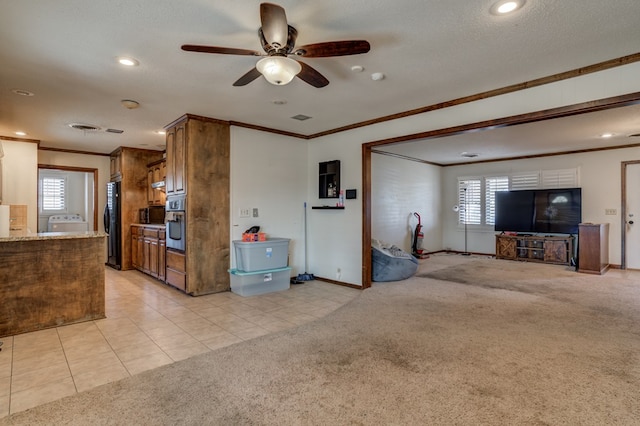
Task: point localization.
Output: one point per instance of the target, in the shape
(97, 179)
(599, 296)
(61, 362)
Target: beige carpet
(469, 341)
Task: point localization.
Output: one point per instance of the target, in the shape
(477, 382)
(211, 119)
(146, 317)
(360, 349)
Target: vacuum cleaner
(418, 237)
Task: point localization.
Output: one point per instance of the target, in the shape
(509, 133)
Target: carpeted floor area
(466, 341)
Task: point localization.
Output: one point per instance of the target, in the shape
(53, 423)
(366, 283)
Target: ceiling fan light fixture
(278, 70)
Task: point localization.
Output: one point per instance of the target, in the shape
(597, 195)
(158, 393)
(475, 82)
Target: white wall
(337, 236)
(399, 188)
(600, 179)
(269, 172)
(20, 178)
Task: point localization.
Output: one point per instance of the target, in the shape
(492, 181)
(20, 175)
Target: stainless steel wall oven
(175, 220)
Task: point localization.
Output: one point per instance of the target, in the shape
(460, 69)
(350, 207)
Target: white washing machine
(67, 223)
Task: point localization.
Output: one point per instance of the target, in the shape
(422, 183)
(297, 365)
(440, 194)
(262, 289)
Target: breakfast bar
(51, 279)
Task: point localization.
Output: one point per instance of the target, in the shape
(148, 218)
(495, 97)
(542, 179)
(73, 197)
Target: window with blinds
(491, 186)
(470, 201)
(53, 191)
(564, 178)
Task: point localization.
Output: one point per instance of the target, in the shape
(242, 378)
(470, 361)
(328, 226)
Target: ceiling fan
(278, 40)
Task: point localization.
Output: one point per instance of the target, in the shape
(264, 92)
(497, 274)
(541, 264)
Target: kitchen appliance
(175, 221)
(151, 214)
(112, 225)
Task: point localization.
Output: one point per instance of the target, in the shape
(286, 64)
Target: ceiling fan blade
(222, 50)
(311, 76)
(274, 24)
(333, 48)
(248, 77)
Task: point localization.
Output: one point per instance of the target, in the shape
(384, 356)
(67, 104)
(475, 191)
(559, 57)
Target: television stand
(546, 249)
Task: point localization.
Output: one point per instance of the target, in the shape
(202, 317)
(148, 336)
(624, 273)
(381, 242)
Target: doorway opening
(66, 190)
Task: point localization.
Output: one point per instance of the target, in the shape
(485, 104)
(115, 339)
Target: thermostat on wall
(350, 194)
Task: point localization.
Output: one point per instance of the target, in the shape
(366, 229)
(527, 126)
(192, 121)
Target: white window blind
(563, 178)
(470, 201)
(527, 180)
(53, 193)
(492, 185)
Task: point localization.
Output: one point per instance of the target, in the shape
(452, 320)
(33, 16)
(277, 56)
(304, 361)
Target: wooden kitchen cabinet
(115, 164)
(198, 166)
(156, 172)
(131, 172)
(148, 248)
(176, 159)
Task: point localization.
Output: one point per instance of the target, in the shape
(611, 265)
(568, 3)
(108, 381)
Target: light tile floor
(148, 325)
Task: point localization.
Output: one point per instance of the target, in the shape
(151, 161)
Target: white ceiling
(430, 51)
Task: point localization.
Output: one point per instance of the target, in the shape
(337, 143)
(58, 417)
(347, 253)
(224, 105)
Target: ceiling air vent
(84, 127)
(114, 131)
(301, 117)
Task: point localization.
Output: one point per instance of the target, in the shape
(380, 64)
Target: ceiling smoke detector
(84, 127)
(130, 104)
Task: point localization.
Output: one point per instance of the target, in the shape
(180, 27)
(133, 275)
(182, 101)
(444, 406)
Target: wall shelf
(328, 207)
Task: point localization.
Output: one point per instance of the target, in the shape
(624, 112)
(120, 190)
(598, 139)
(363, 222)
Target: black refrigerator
(112, 225)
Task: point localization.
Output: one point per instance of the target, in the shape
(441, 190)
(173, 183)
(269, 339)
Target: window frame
(63, 180)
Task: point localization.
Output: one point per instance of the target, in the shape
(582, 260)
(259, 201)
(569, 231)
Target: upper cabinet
(329, 179)
(116, 165)
(176, 156)
(156, 183)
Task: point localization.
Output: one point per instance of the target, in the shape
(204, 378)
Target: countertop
(150, 225)
(52, 236)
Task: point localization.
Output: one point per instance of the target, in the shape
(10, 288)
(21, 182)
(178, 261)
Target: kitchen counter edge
(52, 236)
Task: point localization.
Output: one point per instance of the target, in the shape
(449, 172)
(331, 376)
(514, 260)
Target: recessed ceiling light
(606, 135)
(160, 132)
(129, 62)
(357, 68)
(469, 154)
(377, 76)
(21, 133)
(21, 92)
(504, 7)
(130, 104)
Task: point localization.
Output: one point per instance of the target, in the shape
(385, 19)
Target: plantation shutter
(470, 201)
(492, 185)
(564, 178)
(53, 193)
(527, 180)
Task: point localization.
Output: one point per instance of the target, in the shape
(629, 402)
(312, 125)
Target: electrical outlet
(255, 212)
(610, 212)
(244, 213)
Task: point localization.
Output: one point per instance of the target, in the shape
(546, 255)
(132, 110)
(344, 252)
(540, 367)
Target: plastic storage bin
(254, 283)
(261, 255)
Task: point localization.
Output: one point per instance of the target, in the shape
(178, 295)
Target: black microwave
(152, 214)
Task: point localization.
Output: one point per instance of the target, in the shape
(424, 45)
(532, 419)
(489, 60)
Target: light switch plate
(610, 212)
(255, 212)
(244, 213)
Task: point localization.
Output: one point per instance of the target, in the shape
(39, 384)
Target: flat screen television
(547, 211)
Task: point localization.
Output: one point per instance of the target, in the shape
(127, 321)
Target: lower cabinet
(547, 249)
(176, 270)
(148, 249)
